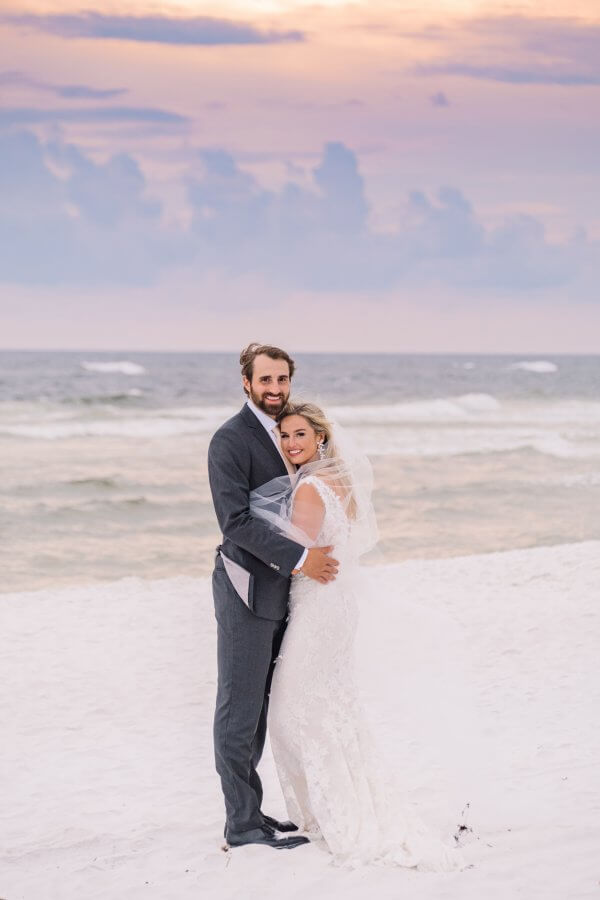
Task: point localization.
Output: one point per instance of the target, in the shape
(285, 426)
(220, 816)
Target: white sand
(483, 687)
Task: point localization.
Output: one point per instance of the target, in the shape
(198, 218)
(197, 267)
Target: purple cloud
(66, 218)
(439, 99)
(511, 74)
(10, 116)
(195, 30)
(66, 91)
(520, 50)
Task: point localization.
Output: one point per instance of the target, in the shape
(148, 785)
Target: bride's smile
(299, 440)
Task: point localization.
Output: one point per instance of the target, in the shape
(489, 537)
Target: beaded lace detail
(333, 786)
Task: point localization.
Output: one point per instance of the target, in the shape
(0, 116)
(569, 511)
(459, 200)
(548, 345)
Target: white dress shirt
(270, 425)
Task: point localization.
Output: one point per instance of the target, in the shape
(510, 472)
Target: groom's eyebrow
(269, 377)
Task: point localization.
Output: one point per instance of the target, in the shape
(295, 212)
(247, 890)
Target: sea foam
(446, 426)
(123, 367)
(540, 366)
(443, 409)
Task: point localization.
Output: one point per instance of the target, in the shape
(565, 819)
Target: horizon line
(312, 352)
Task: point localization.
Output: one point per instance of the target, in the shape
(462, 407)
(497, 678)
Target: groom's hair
(249, 354)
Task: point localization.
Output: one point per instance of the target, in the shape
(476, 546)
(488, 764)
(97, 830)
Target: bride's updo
(315, 416)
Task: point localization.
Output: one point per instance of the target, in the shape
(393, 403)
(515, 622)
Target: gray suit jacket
(242, 457)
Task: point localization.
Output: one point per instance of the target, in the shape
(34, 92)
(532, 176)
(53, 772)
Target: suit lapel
(265, 439)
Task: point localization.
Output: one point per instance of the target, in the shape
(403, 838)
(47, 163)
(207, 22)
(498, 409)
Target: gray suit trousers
(247, 647)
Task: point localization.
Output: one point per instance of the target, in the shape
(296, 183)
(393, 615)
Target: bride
(326, 763)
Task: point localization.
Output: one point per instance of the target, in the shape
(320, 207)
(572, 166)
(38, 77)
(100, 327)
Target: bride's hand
(319, 565)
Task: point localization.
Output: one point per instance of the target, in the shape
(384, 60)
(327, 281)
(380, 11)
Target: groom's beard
(271, 409)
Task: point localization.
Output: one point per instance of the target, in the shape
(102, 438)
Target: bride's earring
(321, 449)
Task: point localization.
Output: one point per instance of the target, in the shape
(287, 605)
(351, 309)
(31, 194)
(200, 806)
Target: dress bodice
(335, 531)
(335, 528)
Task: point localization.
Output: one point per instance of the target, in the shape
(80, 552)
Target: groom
(251, 582)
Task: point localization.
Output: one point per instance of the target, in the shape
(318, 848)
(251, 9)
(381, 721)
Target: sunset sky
(371, 175)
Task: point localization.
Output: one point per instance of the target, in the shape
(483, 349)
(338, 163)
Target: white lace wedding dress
(333, 787)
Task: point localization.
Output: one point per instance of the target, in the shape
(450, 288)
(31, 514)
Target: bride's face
(299, 440)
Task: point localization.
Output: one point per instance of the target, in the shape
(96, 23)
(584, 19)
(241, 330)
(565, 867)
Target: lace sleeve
(308, 509)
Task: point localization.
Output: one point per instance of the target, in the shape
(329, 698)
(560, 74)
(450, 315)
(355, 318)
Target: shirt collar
(265, 420)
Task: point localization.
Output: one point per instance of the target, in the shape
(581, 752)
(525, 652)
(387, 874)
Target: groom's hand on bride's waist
(320, 565)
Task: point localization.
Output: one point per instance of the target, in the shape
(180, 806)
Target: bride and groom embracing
(293, 500)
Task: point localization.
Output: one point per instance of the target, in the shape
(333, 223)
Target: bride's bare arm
(308, 511)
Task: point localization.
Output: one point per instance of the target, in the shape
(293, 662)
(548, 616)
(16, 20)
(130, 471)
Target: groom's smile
(269, 387)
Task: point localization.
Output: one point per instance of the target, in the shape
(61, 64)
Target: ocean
(104, 455)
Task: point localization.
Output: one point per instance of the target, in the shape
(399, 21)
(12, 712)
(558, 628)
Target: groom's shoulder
(234, 424)
(230, 429)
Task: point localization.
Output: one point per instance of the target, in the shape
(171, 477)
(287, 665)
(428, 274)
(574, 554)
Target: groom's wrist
(300, 562)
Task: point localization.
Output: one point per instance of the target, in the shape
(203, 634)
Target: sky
(381, 176)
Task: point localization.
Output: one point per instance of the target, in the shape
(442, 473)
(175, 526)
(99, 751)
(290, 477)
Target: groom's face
(270, 385)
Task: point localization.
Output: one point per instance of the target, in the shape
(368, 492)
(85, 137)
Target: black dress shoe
(264, 836)
(278, 826)
(266, 827)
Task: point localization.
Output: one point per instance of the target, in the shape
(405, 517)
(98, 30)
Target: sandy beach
(483, 690)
